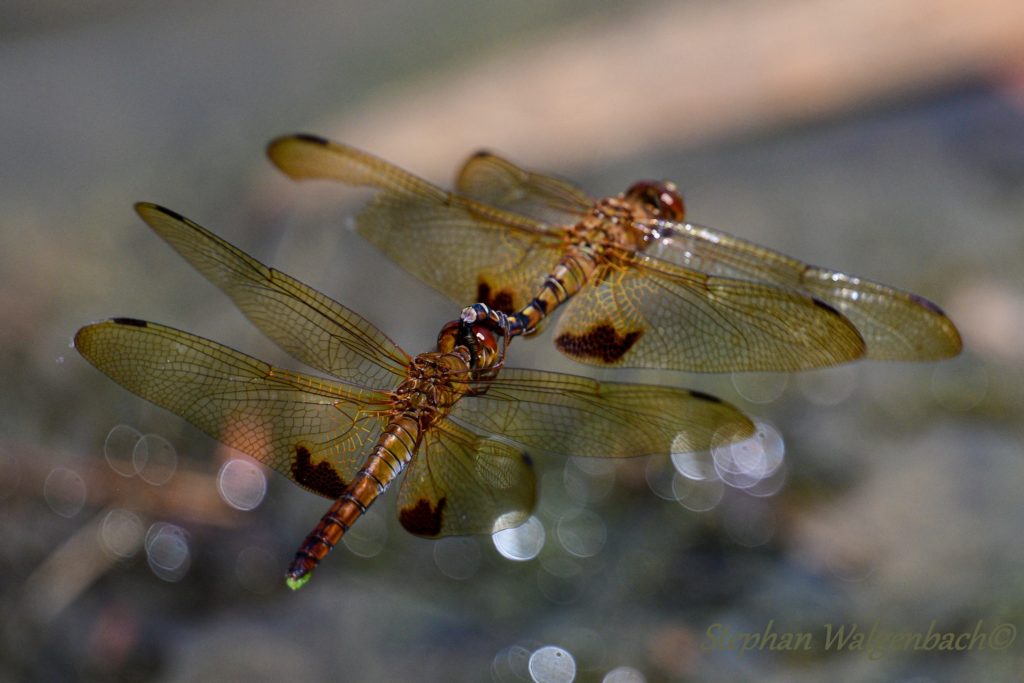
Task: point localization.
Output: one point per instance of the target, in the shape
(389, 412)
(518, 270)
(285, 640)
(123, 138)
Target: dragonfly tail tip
(297, 582)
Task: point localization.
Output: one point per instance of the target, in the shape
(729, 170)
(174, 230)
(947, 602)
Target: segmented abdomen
(573, 271)
(390, 456)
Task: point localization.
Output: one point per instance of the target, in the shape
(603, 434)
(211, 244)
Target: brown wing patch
(602, 342)
(423, 519)
(501, 300)
(320, 477)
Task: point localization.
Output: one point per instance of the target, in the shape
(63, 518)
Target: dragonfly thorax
(432, 385)
(624, 225)
(614, 226)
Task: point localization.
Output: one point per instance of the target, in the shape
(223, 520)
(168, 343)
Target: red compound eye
(660, 197)
(485, 336)
(480, 337)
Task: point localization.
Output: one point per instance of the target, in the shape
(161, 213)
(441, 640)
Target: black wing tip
(827, 306)
(481, 153)
(310, 138)
(704, 397)
(144, 208)
(131, 322)
(274, 147)
(954, 342)
(928, 304)
(86, 330)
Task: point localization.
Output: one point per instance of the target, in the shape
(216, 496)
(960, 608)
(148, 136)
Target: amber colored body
(434, 382)
(604, 239)
(392, 452)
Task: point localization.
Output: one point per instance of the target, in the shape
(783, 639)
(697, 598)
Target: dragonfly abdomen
(573, 271)
(389, 458)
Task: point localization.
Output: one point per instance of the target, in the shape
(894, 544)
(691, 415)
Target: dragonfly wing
(656, 315)
(309, 325)
(564, 415)
(467, 250)
(492, 180)
(462, 483)
(309, 429)
(304, 157)
(462, 256)
(895, 325)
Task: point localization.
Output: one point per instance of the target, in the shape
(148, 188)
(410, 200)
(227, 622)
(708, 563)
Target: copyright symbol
(1002, 636)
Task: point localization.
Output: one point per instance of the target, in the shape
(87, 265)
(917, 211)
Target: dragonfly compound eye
(660, 197)
(448, 337)
(486, 345)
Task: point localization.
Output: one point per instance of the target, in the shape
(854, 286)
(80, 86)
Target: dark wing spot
(483, 292)
(320, 478)
(601, 342)
(423, 519)
(130, 321)
(502, 300)
(705, 397)
(527, 459)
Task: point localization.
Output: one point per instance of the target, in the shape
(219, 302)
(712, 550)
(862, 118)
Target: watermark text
(873, 640)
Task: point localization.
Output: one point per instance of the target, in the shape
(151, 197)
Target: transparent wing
(450, 252)
(469, 251)
(895, 325)
(461, 483)
(490, 179)
(563, 415)
(309, 325)
(656, 315)
(309, 429)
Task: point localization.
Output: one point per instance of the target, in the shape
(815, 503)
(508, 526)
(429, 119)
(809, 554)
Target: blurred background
(884, 139)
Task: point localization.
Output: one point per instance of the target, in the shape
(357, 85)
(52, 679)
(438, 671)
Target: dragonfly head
(661, 199)
(476, 338)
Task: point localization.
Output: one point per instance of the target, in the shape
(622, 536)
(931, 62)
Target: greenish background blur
(884, 139)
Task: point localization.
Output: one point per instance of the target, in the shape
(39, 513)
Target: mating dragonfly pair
(641, 288)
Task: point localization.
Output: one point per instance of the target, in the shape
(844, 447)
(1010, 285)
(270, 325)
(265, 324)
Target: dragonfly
(460, 426)
(642, 286)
